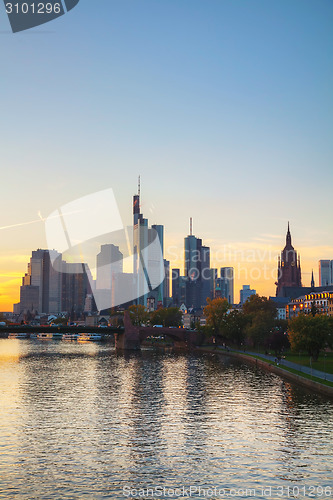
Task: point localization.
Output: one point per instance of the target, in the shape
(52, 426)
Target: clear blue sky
(223, 107)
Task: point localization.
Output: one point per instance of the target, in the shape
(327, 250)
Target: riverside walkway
(289, 364)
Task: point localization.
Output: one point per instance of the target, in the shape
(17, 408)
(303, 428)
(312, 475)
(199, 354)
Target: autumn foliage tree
(216, 316)
(310, 334)
(261, 314)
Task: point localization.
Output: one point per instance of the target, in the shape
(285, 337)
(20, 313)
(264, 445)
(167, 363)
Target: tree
(278, 341)
(216, 313)
(235, 325)
(261, 314)
(3, 319)
(61, 321)
(310, 333)
(167, 316)
(139, 315)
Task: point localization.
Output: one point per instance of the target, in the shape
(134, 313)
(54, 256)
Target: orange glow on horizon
(255, 264)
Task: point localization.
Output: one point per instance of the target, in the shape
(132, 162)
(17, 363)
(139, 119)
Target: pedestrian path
(290, 364)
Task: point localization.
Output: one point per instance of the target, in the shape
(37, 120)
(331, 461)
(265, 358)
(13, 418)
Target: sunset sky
(224, 107)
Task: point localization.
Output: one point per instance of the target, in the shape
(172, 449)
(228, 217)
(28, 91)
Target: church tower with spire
(312, 281)
(289, 267)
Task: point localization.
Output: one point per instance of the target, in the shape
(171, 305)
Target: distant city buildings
(226, 283)
(53, 285)
(200, 281)
(41, 288)
(325, 272)
(316, 302)
(109, 262)
(245, 293)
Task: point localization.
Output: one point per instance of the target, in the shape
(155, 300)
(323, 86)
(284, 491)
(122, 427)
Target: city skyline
(191, 265)
(254, 265)
(224, 108)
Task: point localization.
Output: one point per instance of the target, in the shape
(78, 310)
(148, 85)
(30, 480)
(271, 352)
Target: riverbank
(322, 387)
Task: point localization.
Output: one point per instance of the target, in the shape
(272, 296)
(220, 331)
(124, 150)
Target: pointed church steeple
(289, 268)
(288, 237)
(312, 280)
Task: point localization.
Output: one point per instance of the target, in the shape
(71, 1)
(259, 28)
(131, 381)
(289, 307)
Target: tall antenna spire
(190, 226)
(288, 237)
(139, 185)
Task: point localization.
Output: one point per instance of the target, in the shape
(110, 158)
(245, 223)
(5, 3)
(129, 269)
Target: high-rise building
(197, 271)
(45, 277)
(148, 266)
(166, 283)
(245, 293)
(206, 275)
(192, 268)
(227, 283)
(325, 272)
(140, 252)
(75, 288)
(175, 287)
(109, 262)
(213, 283)
(289, 268)
(29, 298)
(156, 266)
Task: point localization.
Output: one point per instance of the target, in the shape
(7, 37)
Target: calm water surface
(78, 421)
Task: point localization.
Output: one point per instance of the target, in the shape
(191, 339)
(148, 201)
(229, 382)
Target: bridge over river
(132, 336)
(128, 337)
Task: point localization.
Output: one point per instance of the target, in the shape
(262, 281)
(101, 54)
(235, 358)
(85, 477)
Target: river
(79, 421)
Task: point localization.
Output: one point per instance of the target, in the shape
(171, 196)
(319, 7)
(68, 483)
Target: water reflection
(80, 420)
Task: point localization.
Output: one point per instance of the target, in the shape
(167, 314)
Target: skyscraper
(175, 287)
(109, 262)
(140, 251)
(192, 266)
(52, 286)
(205, 275)
(227, 283)
(42, 275)
(245, 293)
(197, 273)
(156, 265)
(148, 266)
(75, 288)
(325, 272)
(166, 283)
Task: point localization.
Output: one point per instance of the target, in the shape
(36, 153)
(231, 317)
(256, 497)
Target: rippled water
(79, 421)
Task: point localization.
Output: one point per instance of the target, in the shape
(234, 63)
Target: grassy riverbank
(299, 373)
(324, 363)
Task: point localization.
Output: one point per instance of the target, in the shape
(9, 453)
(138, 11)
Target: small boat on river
(46, 336)
(89, 337)
(70, 336)
(18, 335)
